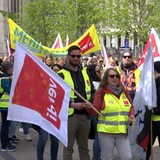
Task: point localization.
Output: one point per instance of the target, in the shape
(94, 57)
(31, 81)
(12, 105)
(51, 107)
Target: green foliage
(43, 19)
(132, 17)
(13, 16)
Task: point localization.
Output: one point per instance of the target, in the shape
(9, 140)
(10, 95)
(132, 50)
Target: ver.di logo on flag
(34, 96)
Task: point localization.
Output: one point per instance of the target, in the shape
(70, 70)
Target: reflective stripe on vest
(155, 117)
(116, 114)
(68, 79)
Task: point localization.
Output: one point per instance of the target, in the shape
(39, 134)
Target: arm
(98, 103)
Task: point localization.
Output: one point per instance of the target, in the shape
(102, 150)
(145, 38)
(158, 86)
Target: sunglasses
(101, 61)
(75, 56)
(114, 76)
(127, 57)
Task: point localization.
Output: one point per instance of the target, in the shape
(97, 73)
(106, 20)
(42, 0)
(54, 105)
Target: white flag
(107, 65)
(146, 90)
(38, 95)
(67, 41)
(145, 99)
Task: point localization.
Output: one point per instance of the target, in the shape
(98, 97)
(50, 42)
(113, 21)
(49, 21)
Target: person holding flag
(79, 119)
(113, 102)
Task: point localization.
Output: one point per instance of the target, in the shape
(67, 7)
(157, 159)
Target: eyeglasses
(114, 76)
(75, 56)
(127, 57)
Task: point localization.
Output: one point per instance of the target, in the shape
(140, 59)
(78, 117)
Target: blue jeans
(25, 127)
(12, 129)
(96, 145)
(96, 148)
(43, 135)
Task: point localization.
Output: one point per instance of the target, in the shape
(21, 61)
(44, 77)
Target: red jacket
(99, 103)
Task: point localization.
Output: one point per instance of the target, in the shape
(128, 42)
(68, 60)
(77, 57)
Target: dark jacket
(79, 85)
(156, 110)
(92, 71)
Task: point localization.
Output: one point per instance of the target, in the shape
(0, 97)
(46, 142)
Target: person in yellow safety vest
(79, 120)
(114, 103)
(5, 86)
(156, 112)
(129, 73)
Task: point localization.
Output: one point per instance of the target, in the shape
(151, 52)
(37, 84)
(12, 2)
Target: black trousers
(155, 134)
(4, 129)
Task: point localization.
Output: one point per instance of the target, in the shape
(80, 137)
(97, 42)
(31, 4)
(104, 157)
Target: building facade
(7, 6)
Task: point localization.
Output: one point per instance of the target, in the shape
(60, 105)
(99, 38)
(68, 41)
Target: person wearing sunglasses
(113, 102)
(78, 117)
(130, 75)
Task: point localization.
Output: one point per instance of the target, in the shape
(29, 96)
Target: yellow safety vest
(115, 114)
(4, 100)
(155, 117)
(68, 79)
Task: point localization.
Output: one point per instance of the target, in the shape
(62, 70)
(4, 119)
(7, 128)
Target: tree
(132, 17)
(43, 19)
(35, 20)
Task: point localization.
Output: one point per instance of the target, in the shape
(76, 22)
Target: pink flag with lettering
(38, 95)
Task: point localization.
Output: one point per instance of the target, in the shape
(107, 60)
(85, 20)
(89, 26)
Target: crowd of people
(109, 89)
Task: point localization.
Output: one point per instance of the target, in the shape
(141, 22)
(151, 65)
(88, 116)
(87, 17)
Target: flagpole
(87, 102)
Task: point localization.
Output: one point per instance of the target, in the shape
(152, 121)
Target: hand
(78, 106)
(87, 105)
(131, 118)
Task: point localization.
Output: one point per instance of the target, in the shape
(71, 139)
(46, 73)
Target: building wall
(9, 6)
(3, 27)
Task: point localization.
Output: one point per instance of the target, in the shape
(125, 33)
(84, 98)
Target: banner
(88, 42)
(38, 95)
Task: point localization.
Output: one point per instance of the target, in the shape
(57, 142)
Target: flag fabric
(88, 42)
(58, 42)
(9, 48)
(107, 65)
(38, 95)
(155, 41)
(67, 41)
(145, 99)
